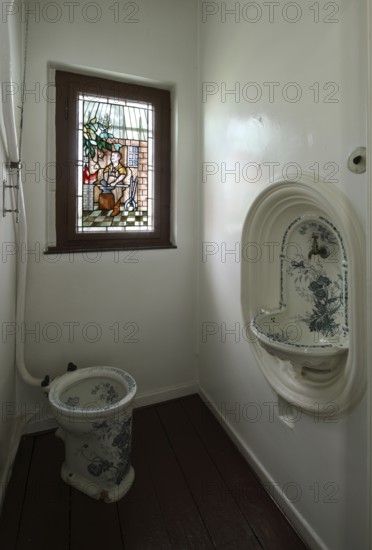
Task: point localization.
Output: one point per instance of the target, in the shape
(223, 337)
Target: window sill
(67, 250)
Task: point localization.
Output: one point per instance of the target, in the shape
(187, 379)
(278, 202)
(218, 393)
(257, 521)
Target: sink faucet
(315, 249)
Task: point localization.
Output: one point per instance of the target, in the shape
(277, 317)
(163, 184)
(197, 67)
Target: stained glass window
(115, 184)
(115, 139)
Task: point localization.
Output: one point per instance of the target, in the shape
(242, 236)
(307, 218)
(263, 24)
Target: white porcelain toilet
(93, 408)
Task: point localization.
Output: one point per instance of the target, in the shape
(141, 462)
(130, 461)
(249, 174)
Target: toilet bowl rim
(61, 383)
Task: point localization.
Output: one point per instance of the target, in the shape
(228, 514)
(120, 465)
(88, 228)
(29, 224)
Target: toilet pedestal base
(107, 494)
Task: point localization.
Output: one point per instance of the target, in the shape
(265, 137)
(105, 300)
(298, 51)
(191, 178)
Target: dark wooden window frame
(68, 87)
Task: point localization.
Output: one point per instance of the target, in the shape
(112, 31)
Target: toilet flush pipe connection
(21, 236)
(21, 232)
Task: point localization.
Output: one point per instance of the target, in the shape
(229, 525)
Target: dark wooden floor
(193, 490)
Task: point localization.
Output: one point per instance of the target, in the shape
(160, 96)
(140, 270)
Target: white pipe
(13, 153)
(8, 105)
(21, 290)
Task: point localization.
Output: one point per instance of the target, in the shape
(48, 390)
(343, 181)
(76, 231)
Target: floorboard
(45, 514)
(140, 516)
(193, 490)
(182, 517)
(94, 524)
(255, 504)
(12, 510)
(222, 516)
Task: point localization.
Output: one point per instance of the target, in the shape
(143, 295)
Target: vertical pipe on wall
(13, 152)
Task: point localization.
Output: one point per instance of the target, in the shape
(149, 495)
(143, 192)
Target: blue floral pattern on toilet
(93, 408)
(108, 392)
(73, 401)
(114, 439)
(107, 396)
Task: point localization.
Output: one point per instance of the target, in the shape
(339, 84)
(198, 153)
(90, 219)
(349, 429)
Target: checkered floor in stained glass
(102, 218)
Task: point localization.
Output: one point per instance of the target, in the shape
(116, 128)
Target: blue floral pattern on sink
(325, 296)
(314, 278)
(313, 306)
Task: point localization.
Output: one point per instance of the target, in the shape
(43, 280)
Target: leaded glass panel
(115, 165)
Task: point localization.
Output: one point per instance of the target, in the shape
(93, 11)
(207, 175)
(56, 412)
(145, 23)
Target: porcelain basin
(290, 339)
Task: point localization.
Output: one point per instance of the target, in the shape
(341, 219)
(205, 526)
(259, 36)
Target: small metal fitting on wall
(10, 166)
(357, 161)
(6, 210)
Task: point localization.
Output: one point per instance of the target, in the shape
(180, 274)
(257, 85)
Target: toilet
(93, 409)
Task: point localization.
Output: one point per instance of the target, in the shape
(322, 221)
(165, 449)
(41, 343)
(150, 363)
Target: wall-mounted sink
(310, 329)
(289, 338)
(303, 296)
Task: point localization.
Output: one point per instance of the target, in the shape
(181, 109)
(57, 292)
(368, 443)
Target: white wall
(322, 461)
(153, 291)
(7, 319)
(9, 424)
(253, 126)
